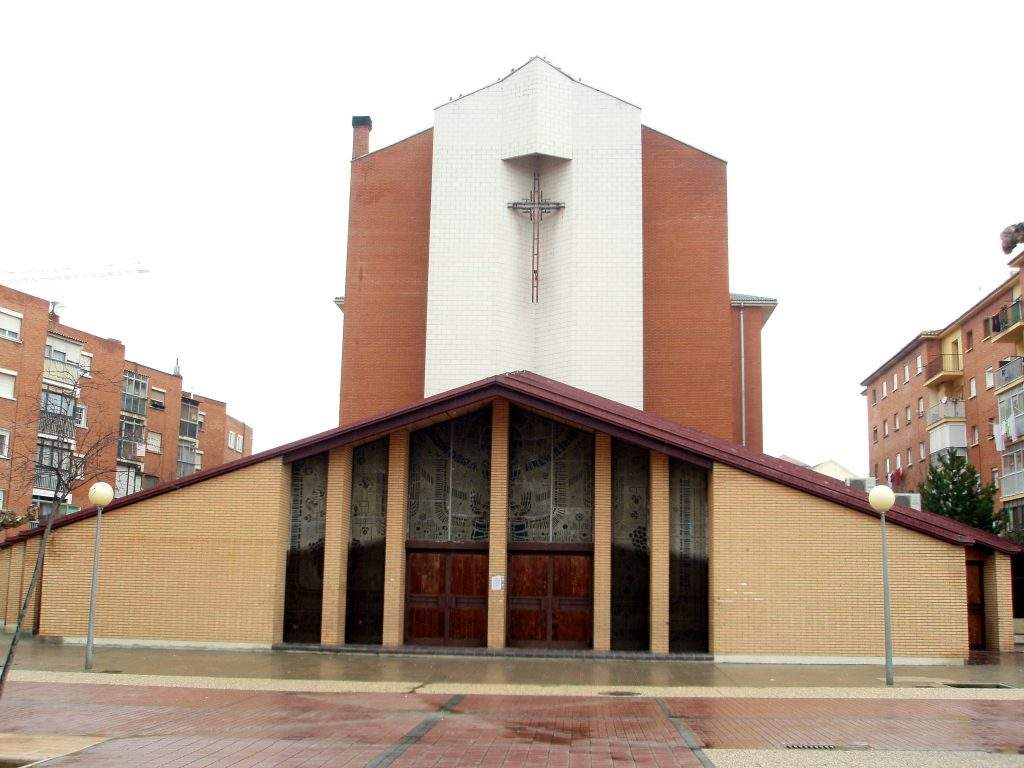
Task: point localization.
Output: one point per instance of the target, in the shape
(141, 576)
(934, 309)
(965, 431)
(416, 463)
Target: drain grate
(619, 693)
(811, 746)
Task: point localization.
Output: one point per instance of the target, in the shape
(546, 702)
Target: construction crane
(70, 273)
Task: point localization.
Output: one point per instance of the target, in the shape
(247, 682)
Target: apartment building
(65, 392)
(960, 389)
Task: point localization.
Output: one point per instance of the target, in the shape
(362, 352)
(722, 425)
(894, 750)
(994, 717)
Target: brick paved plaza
(168, 727)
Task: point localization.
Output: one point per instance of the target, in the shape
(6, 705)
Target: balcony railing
(57, 424)
(943, 364)
(1009, 372)
(951, 409)
(1007, 317)
(1011, 484)
(46, 478)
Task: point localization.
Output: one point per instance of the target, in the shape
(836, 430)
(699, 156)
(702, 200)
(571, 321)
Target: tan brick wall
(794, 575)
(5, 572)
(337, 522)
(394, 538)
(14, 582)
(602, 542)
(658, 536)
(28, 565)
(998, 603)
(204, 563)
(497, 552)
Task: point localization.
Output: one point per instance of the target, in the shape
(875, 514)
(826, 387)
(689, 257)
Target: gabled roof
(598, 413)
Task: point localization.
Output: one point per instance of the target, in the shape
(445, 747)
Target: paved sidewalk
(150, 727)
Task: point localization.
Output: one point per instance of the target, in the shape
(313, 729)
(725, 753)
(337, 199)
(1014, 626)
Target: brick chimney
(361, 127)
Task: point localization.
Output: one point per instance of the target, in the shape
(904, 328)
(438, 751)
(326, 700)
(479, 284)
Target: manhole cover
(620, 693)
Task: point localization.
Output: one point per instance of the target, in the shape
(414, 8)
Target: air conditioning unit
(861, 483)
(912, 500)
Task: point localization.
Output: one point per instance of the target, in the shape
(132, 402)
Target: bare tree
(60, 461)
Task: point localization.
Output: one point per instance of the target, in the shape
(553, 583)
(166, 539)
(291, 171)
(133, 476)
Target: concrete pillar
(659, 533)
(497, 551)
(602, 542)
(337, 524)
(394, 538)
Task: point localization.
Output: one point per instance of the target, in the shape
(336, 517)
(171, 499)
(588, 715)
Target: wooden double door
(550, 599)
(446, 597)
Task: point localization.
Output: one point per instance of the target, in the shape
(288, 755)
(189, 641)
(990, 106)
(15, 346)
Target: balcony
(943, 368)
(1011, 484)
(56, 425)
(951, 410)
(1009, 372)
(1007, 326)
(130, 450)
(65, 372)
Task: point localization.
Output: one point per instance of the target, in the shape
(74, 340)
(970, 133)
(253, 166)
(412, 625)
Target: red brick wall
(753, 322)
(386, 279)
(689, 374)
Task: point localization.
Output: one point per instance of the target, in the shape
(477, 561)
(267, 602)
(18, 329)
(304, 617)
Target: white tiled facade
(587, 328)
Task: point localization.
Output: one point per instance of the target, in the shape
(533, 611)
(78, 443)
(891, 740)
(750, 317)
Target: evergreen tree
(953, 488)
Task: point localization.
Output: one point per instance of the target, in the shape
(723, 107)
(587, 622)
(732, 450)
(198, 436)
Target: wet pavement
(249, 709)
(1004, 669)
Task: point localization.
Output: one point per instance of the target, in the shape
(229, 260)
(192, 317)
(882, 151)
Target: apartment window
(907, 414)
(7, 380)
(970, 341)
(899, 461)
(991, 427)
(157, 398)
(188, 426)
(885, 390)
(5, 444)
(52, 353)
(875, 473)
(920, 364)
(187, 459)
(977, 437)
(10, 324)
(888, 467)
(130, 445)
(987, 327)
(995, 477)
(920, 406)
(231, 441)
(874, 396)
(895, 381)
(885, 427)
(973, 387)
(85, 363)
(81, 416)
(3, 499)
(53, 463)
(896, 422)
(134, 390)
(990, 378)
(923, 454)
(153, 441)
(874, 434)
(57, 414)
(906, 373)
(910, 457)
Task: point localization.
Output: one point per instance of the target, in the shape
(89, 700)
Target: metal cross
(536, 206)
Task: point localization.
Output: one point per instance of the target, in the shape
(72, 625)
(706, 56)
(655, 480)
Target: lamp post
(100, 495)
(881, 500)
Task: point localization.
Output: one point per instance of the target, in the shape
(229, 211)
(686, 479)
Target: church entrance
(446, 597)
(551, 514)
(446, 546)
(550, 599)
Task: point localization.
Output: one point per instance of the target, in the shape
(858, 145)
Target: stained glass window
(688, 553)
(450, 480)
(304, 579)
(631, 558)
(551, 481)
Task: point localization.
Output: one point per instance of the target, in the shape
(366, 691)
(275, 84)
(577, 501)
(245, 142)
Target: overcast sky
(875, 153)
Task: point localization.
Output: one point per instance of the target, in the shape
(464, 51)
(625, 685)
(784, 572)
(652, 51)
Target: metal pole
(886, 607)
(92, 594)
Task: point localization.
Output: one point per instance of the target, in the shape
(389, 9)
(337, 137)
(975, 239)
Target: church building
(550, 439)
